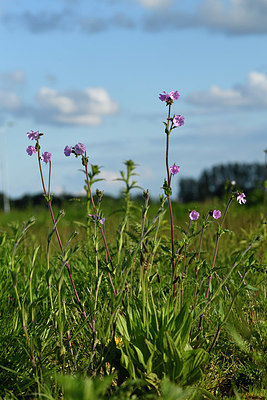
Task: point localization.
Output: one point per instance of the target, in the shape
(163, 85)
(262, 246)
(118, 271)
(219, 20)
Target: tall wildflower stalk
(80, 150)
(46, 158)
(172, 123)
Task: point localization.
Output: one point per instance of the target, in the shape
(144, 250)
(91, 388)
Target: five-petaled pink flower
(174, 169)
(79, 149)
(194, 215)
(173, 95)
(31, 150)
(178, 120)
(33, 135)
(67, 151)
(46, 157)
(241, 198)
(216, 214)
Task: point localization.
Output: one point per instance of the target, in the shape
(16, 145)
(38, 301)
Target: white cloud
(51, 98)
(233, 17)
(236, 17)
(252, 94)
(54, 107)
(76, 107)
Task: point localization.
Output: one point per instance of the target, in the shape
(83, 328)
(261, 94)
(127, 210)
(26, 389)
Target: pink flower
(79, 149)
(67, 151)
(194, 215)
(241, 198)
(174, 169)
(178, 120)
(173, 95)
(31, 150)
(33, 135)
(46, 157)
(216, 214)
(97, 218)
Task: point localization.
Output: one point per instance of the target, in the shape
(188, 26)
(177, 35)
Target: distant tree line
(28, 201)
(38, 200)
(214, 181)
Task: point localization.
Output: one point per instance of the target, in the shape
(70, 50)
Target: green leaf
(140, 356)
(122, 327)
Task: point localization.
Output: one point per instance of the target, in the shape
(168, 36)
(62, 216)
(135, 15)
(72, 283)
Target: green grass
(137, 344)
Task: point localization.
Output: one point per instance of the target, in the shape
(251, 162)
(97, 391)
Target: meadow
(132, 298)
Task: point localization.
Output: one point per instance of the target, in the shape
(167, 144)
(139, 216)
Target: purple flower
(174, 169)
(194, 215)
(31, 150)
(33, 135)
(46, 157)
(178, 120)
(79, 149)
(241, 198)
(67, 151)
(97, 218)
(173, 95)
(216, 214)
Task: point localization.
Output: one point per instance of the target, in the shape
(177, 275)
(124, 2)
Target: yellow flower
(118, 341)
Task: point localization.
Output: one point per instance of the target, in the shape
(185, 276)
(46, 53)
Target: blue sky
(91, 72)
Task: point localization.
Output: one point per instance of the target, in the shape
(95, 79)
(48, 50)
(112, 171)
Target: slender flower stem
(198, 257)
(169, 198)
(49, 180)
(219, 233)
(184, 263)
(59, 239)
(201, 235)
(101, 229)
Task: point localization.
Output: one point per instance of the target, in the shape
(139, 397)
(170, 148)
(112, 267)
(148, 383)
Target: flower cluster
(169, 97)
(79, 150)
(173, 95)
(35, 135)
(194, 215)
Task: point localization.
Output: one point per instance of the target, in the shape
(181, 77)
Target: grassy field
(76, 324)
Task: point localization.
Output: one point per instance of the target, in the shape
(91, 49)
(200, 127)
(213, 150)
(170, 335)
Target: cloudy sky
(91, 71)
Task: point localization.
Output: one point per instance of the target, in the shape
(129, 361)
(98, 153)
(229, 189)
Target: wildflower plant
(138, 327)
(170, 125)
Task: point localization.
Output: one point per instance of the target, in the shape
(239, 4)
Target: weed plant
(153, 300)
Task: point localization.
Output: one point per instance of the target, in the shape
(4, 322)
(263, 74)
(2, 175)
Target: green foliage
(138, 344)
(156, 343)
